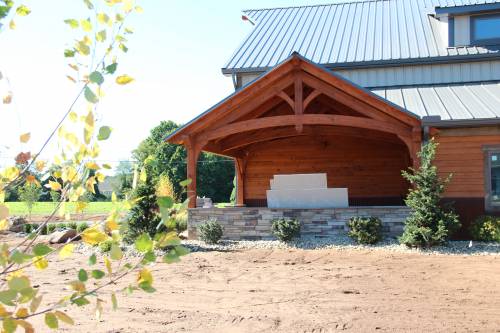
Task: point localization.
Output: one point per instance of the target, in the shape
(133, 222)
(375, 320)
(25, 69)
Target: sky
(175, 56)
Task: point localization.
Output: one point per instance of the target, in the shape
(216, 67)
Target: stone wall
(255, 223)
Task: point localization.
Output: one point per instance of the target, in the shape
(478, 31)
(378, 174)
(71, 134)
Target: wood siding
(370, 169)
(460, 152)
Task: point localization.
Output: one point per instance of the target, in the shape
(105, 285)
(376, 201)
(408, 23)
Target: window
(485, 29)
(492, 178)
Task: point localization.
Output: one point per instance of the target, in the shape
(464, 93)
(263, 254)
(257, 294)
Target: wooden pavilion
(302, 118)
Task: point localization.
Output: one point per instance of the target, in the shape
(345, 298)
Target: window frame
(488, 151)
(479, 42)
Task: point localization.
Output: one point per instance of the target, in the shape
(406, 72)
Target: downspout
(235, 81)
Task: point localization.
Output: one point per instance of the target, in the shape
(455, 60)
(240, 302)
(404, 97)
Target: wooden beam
(298, 99)
(193, 151)
(315, 93)
(240, 165)
(286, 98)
(307, 119)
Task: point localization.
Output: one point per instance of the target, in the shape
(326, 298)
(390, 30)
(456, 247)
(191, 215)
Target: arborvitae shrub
(27, 228)
(82, 226)
(365, 230)
(285, 229)
(51, 228)
(430, 222)
(210, 232)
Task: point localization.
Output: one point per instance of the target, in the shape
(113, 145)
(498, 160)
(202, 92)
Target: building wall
(415, 74)
(255, 223)
(462, 30)
(371, 170)
(460, 153)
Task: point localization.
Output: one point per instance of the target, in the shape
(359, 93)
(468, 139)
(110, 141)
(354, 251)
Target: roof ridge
(345, 2)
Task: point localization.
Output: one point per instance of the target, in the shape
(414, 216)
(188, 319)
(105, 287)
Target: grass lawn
(46, 208)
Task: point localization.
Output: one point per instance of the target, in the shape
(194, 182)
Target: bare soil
(300, 291)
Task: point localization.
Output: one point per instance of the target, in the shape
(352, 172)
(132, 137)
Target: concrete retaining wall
(255, 223)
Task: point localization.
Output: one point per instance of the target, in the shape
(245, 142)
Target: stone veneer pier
(254, 223)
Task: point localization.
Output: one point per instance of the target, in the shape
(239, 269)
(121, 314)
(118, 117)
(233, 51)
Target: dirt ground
(301, 291)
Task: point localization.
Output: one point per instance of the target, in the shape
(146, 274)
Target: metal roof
(350, 33)
(467, 101)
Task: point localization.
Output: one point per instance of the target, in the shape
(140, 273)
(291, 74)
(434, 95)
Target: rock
(62, 236)
(183, 235)
(16, 223)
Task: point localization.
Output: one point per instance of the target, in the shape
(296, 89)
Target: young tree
(430, 222)
(29, 194)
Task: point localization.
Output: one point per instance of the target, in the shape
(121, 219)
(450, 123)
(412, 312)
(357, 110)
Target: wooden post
(240, 165)
(299, 106)
(193, 152)
(417, 146)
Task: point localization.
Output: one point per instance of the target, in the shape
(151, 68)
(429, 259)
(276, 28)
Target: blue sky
(175, 56)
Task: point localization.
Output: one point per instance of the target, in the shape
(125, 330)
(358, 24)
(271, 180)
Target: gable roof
(366, 33)
(266, 86)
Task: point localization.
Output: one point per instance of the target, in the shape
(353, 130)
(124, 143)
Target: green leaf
(114, 301)
(171, 257)
(186, 182)
(90, 96)
(41, 249)
(146, 287)
(69, 53)
(92, 259)
(51, 320)
(116, 253)
(88, 4)
(9, 325)
(72, 23)
(144, 243)
(97, 274)
(104, 133)
(149, 257)
(7, 296)
(101, 36)
(19, 257)
(80, 301)
(82, 275)
(96, 77)
(123, 47)
(111, 69)
(82, 48)
(165, 202)
(181, 250)
(19, 282)
(22, 10)
(27, 294)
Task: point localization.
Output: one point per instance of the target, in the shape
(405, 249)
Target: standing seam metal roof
(349, 32)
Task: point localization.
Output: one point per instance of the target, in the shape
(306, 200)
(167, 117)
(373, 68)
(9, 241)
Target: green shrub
(72, 225)
(210, 232)
(365, 230)
(486, 229)
(429, 223)
(51, 228)
(82, 226)
(27, 228)
(285, 229)
(44, 230)
(105, 246)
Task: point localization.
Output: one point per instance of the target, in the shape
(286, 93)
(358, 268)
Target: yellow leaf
(77, 286)
(143, 176)
(54, 186)
(93, 235)
(92, 165)
(75, 68)
(28, 328)
(7, 98)
(4, 224)
(64, 317)
(40, 263)
(113, 197)
(21, 312)
(86, 25)
(12, 25)
(128, 5)
(145, 276)
(111, 225)
(107, 262)
(69, 174)
(80, 206)
(25, 137)
(35, 303)
(71, 78)
(98, 310)
(124, 79)
(11, 173)
(90, 184)
(139, 9)
(100, 177)
(103, 18)
(66, 251)
(39, 165)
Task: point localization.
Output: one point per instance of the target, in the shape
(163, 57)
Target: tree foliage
(430, 222)
(215, 173)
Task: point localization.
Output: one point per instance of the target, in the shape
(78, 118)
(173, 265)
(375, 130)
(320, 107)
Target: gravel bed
(341, 243)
